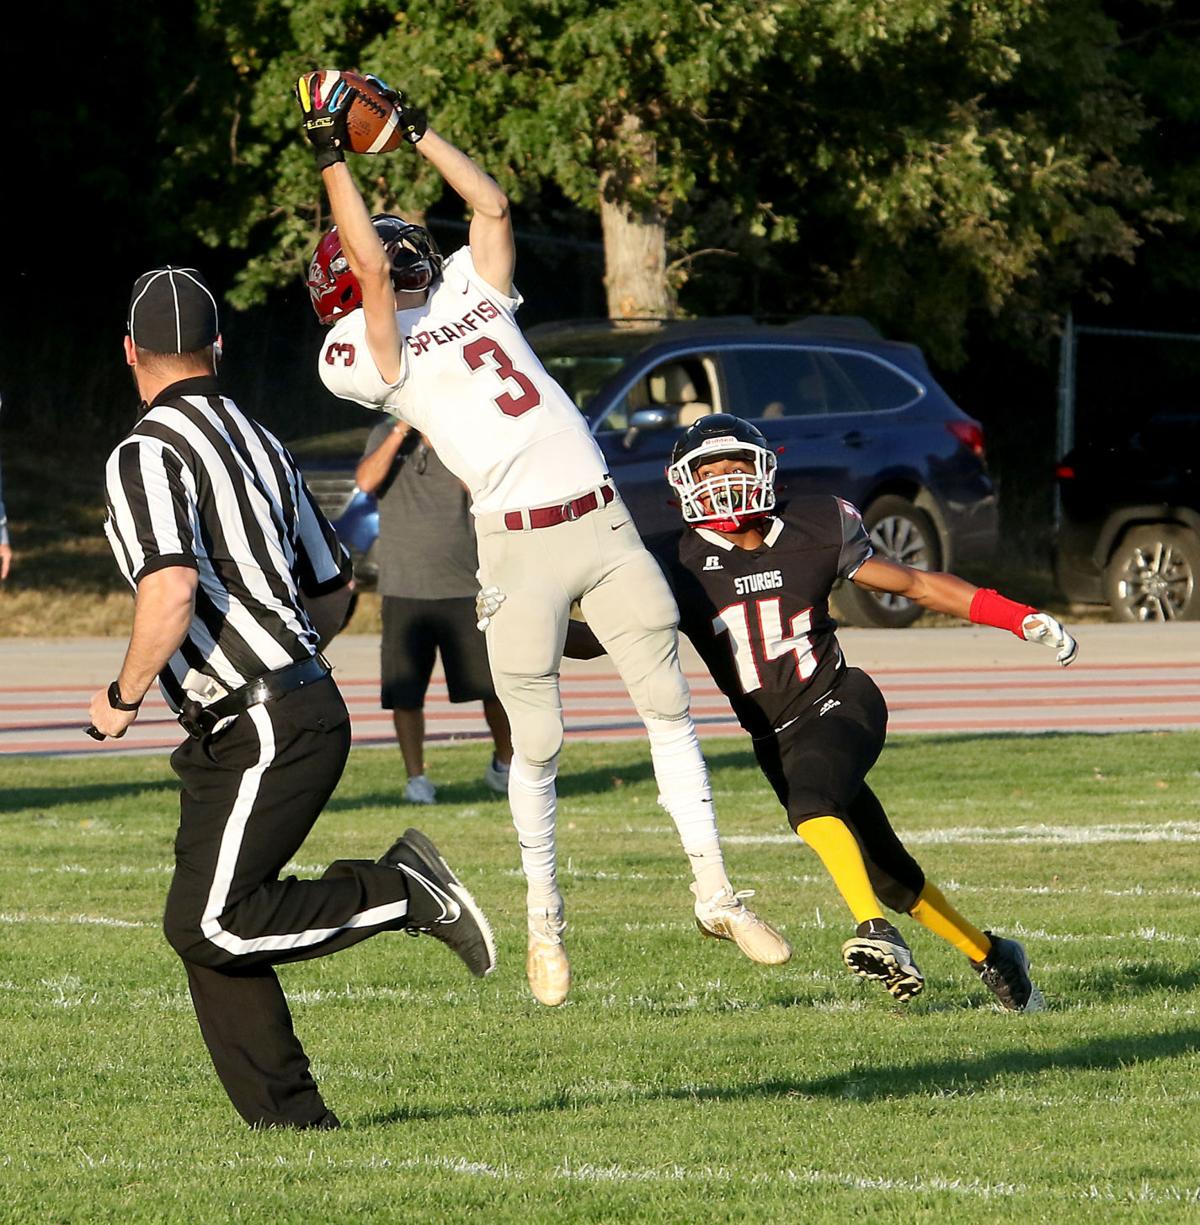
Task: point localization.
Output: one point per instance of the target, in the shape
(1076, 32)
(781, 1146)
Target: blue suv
(849, 413)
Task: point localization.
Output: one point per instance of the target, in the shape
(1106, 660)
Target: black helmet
(416, 260)
(727, 502)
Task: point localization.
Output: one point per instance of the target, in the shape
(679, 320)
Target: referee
(239, 580)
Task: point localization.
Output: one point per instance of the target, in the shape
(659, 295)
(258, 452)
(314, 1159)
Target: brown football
(372, 124)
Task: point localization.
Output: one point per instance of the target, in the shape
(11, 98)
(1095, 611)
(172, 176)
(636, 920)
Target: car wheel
(1153, 573)
(900, 532)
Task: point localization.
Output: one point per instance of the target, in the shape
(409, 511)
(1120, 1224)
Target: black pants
(818, 767)
(250, 796)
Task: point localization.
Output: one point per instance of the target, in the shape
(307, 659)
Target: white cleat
(546, 965)
(420, 790)
(725, 917)
(495, 777)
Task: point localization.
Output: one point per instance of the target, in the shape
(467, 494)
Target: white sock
(685, 792)
(532, 798)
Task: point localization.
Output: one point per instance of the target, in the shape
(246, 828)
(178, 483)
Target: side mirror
(662, 417)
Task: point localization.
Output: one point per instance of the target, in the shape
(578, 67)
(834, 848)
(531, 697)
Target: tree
(937, 162)
(925, 162)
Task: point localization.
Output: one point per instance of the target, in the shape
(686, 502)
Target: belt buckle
(570, 511)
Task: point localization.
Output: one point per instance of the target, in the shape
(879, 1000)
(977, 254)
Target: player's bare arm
(163, 610)
(493, 249)
(325, 126)
(370, 264)
(947, 593)
(374, 469)
(944, 593)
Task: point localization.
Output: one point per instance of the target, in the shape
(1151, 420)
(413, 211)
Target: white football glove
(487, 605)
(1042, 627)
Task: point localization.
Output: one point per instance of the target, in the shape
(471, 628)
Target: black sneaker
(439, 905)
(1005, 973)
(878, 952)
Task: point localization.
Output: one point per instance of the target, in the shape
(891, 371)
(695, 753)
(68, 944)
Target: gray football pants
(598, 560)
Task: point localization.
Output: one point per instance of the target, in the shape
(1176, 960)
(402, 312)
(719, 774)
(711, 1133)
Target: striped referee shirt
(197, 483)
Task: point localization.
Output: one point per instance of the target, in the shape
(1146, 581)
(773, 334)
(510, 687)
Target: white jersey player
(438, 345)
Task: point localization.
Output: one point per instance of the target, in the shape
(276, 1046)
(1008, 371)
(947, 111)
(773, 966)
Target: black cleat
(1005, 973)
(439, 905)
(878, 952)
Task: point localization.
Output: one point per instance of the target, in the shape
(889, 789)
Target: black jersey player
(753, 586)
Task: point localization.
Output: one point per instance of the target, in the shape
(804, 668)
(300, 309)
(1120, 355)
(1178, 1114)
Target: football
(373, 124)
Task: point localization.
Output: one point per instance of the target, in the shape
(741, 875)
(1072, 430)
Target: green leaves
(983, 152)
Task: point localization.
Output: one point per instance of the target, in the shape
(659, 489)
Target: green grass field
(680, 1083)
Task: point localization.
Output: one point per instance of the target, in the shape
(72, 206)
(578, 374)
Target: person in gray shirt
(427, 563)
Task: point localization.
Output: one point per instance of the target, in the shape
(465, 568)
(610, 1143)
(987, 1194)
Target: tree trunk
(635, 239)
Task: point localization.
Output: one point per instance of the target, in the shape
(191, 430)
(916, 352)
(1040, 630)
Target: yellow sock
(933, 911)
(838, 850)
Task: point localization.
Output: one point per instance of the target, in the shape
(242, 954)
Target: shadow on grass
(1133, 978)
(932, 1078)
(16, 799)
(572, 783)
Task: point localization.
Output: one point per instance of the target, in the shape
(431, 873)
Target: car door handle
(855, 438)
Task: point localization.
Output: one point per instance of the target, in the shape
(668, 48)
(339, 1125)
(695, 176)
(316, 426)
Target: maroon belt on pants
(551, 516)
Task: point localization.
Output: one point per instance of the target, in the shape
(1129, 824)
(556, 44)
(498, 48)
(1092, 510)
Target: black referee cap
(172, 310)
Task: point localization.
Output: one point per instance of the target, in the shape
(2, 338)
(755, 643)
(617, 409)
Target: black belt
(199, 721)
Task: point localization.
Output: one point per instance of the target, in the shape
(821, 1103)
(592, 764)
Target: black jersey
(760, 617)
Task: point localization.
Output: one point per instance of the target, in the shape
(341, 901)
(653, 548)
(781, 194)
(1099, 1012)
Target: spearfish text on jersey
(483, 311)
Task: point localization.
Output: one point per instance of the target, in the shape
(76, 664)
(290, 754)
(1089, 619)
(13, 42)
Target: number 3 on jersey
(476, 356)
(735, 621)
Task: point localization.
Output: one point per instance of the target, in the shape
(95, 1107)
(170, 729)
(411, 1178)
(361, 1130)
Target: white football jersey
(472, 385)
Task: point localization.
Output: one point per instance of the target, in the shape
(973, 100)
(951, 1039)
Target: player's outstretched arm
(493, 249)
(324, 123)
(947, 593)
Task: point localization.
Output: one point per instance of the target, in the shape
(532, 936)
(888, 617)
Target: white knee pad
(537, 738)
(665, 696)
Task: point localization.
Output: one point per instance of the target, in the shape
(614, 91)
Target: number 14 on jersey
(735, 620)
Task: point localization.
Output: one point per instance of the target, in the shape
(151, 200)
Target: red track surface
(48, 720)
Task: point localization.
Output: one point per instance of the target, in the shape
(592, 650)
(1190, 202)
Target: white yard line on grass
(587, 1172)
(1040, 834)
(88, 920)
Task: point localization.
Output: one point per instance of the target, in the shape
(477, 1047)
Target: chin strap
(736, 523)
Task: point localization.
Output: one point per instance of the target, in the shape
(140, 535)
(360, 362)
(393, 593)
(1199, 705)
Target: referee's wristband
(115, 701)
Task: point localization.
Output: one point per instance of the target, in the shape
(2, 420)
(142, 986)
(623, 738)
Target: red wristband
(989, 607)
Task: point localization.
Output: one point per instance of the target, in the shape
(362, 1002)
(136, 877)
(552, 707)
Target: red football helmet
(335, 291)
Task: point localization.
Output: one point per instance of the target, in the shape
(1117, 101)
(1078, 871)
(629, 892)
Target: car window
(777, 382)
(870, 385)
(767, 383)
(686, 384)
(582, 376)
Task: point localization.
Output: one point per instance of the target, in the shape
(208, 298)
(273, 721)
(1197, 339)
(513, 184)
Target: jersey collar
(715, 538)
(198, 385)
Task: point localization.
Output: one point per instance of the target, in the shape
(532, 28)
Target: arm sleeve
(856, 545)
(151, 507)
(322, 561)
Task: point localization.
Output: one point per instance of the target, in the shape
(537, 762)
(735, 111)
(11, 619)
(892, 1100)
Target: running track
(951, 699)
